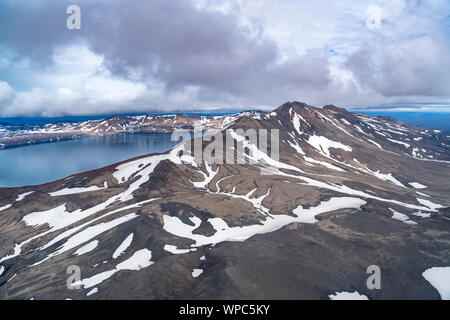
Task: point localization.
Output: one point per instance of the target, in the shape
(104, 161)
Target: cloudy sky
(161, 55)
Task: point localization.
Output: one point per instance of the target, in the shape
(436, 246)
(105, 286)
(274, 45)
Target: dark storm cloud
(172, 41)
(160, 54)
(33, 29)
(184, 46)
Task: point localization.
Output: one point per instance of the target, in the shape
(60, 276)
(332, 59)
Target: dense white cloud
(88, 87)
(6, 93)
(133, 56)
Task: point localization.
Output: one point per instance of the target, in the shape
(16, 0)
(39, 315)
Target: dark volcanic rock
(348, 191)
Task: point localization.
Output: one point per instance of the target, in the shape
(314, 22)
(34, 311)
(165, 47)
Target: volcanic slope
(348, 191)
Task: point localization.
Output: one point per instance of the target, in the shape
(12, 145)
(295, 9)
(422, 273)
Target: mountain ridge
(330, 206)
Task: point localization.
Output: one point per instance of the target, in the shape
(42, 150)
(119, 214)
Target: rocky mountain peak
(293, 104)
(334, 108)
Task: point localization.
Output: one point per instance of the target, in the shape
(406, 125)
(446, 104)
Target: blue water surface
(44, 162)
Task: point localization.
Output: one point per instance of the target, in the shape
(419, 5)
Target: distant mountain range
(15, 135)
(348, 191)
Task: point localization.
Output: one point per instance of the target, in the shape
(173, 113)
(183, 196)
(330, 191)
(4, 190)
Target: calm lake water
(40, 163)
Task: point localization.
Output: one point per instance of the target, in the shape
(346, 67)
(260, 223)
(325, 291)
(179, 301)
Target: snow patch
(297, 148)
(196, 272)
(348, 296)
(173, 249)
(323, 163)
(22, 196)
(123, 246)
(87, 234)
(93, 291)
(346, 190)
(417, 185)
(5, 207)
(344, 121)
(140, 259)
(379, 175)
(259, 156)
(386, 177)
(422, 214)
(87, 248)
(423, 194)
(401, 217)
(207, 177)
(429, 204)
(439, 278)
(375, 143)
(323, 144)
(69, 191)
(399, 142)
(175, 226)
(296, 123)
(308, 215)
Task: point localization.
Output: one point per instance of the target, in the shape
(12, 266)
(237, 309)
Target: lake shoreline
(40, 163)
